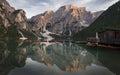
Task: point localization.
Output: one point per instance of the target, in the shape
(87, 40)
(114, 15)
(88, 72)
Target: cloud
(98, 5)
(102, 1)
(34, 7)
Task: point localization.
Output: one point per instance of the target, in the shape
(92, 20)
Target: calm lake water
(42, 58)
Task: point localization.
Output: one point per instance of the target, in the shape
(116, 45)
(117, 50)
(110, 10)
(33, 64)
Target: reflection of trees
(108, 57)
(11, 56)
(67, 56)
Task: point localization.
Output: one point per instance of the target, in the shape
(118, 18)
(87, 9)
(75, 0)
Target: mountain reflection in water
(43, 58)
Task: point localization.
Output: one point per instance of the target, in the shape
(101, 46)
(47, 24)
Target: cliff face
(39, 21)
(5, 13)
(12, 21)
(19, 19)
(67, 20)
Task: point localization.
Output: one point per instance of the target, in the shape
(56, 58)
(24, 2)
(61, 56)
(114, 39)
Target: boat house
(110, 37)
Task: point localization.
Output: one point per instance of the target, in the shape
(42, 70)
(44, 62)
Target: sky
(34, 7)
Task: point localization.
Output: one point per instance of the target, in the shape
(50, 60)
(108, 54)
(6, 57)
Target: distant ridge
(108, 19)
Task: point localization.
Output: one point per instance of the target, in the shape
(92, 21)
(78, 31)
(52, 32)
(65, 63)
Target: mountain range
(68, 20)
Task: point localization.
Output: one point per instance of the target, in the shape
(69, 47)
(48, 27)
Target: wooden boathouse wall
(110, 37)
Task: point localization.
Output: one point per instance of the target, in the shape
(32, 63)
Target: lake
(56, 58)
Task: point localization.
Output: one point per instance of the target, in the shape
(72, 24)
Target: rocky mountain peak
(19, 14)
(76, 10)
(48, 12)
(39, 21)
(5, 13)
(69, 7)
(13, 22)
(19, 19)
(10, 16)
(68, 10)
(3, 2)
(5, 5)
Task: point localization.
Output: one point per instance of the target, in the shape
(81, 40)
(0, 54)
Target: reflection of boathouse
(110, 36)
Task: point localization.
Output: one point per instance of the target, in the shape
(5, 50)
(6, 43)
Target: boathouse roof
(110, 29)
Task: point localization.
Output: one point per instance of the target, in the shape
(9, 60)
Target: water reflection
(43, 58)
(11, 56)
(68, 57)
